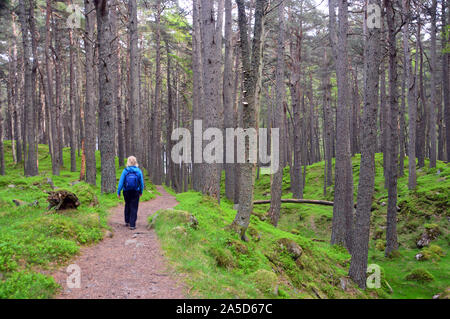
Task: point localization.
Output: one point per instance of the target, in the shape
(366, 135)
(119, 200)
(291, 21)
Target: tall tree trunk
(106, 67)
(2, 155)
(90, 108)
(212, 79)
(228, 96)
(445, 74)
(433, 86)
(73, 157)
(156, 145)
(342, 224)
(30, 167)
(277, 177)
(134, 77)
(251, 63)
(358, 264)
(391, 230)
(412, 106)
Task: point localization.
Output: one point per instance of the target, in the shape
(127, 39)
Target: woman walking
(132, 184)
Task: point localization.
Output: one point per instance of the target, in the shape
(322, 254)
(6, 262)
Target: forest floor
(129, 264)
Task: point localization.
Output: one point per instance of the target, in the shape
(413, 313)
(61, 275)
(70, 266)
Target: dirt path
(128, 265)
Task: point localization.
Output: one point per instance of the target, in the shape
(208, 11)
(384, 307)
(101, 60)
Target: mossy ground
(214, 267)
(215, 263)
(34, 241)
(426, 206)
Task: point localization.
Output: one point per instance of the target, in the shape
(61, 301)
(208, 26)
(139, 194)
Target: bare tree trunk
(197, 88)
(30, 167)
(251, 65)
(2, 155)
(90, 108)
(228, 96)
(73, 158)
(106, 67)
(433, 86)
(422, 111)
(412, 106)
(156, 145)
(445, 76)
(358, 264)
(342, 224)
(212, 79)
(391, 230)
(296, 92)
(277, 177)
(134, 77)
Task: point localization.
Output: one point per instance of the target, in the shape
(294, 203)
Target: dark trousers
(131, 207)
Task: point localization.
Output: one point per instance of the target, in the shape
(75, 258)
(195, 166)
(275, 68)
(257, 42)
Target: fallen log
(62, 200)
(297, 201)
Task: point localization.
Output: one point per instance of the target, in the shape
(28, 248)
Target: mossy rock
(433, 252)
(238, 246)
(223, 257)
(179, 230)
(291, 247)
(420, 275)
(432, 231)
(266, 281)
(256, 236)
(177, 216)
(85, 194)
(380, 244)
(378, 233)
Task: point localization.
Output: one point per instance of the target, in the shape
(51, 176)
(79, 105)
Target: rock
(383, 204)
(291, 246)
(436, 296)
(344, 283)
(419, 256)
(431, 232)
(266, 281)
(50, 182)
(130, 242)
(179, 230)
(109, 234)
(11, 186)
(19, 202)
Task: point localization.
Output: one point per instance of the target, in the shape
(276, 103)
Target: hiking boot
(132, 228)
(127, 224)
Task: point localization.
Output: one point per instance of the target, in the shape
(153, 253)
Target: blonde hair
(131, 161)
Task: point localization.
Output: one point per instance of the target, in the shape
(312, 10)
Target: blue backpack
(131, 181)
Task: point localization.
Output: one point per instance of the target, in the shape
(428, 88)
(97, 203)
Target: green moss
(266, 281)
(380, 244)
(420, 275)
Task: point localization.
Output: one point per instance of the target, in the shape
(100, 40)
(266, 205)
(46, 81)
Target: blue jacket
(124, 173)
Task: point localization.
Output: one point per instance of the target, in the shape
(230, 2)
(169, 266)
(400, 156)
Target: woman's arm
(120, 187)
(142, 182)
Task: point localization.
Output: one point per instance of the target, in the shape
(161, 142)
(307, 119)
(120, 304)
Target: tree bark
(106, 67)
(251, 63)
(277, 177)
(391, 230)
(134, 77)
(358, 264)
(228, 96)
(433, 86)
(342, 224)
(90, 108)
(212, 79)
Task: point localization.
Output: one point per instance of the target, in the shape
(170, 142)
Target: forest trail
(128, 265)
